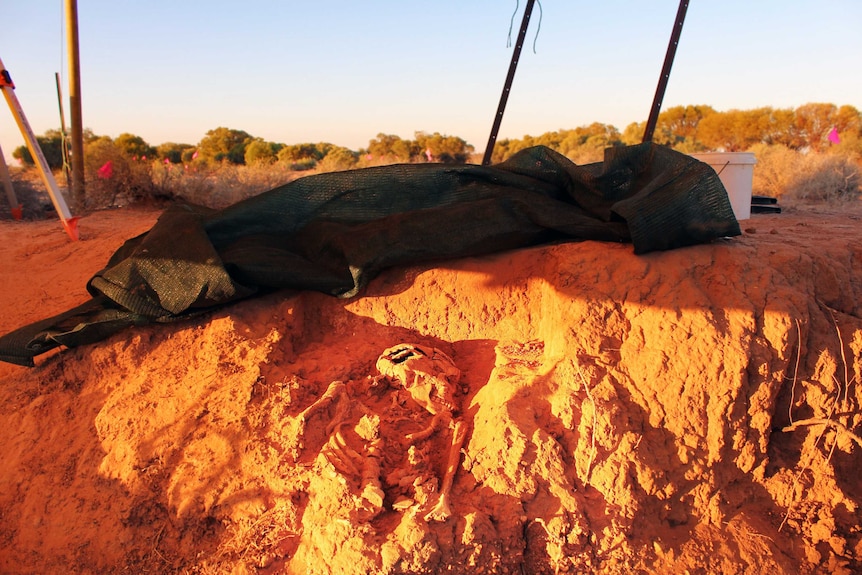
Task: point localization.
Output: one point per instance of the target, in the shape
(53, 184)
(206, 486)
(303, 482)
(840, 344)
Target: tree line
(237, 147)
(689, 129)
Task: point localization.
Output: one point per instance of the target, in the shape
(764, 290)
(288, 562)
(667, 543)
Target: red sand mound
(694, 411)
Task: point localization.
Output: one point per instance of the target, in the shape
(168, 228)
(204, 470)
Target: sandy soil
(695, 411)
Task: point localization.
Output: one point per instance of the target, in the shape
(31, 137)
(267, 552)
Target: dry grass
(811, 177)
(30, 193)
(222, 185)
(788, 175)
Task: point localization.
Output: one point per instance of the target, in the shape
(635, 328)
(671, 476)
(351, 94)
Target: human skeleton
(431, 378)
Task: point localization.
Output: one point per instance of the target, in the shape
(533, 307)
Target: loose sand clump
(689, 411)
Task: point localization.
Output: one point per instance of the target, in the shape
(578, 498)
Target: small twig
(843, 359)
(828, 422)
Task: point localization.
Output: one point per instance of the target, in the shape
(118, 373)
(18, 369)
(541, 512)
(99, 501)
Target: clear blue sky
(344, 70)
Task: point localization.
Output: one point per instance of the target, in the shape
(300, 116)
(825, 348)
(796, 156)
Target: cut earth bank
(689, 411)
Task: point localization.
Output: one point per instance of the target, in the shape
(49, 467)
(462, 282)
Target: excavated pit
(688, 411)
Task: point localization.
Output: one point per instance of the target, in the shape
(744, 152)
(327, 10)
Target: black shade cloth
(334, 232)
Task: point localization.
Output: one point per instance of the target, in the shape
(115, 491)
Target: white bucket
(736, 171)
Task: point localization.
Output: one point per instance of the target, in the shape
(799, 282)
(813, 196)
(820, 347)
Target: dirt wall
(690, 411)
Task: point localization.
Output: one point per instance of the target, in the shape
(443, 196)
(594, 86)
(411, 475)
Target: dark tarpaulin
(334, 232)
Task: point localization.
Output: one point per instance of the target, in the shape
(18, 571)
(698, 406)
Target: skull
(428, 375)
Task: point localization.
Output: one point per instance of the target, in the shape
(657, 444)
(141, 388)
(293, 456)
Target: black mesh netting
(334, 232)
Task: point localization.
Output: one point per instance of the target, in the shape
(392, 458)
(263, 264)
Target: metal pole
(665, 71)
(77, 127)
(507, 86)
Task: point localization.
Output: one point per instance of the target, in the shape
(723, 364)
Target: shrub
(259, 153)
(825, 177)
(302, 165)
(338, 159)
(134, 146)
(792, 175)
(51, 145)
(112, 178)
(174, 152)
(776, 167)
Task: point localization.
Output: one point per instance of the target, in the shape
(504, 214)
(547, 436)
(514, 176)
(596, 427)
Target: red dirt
(694, 411)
